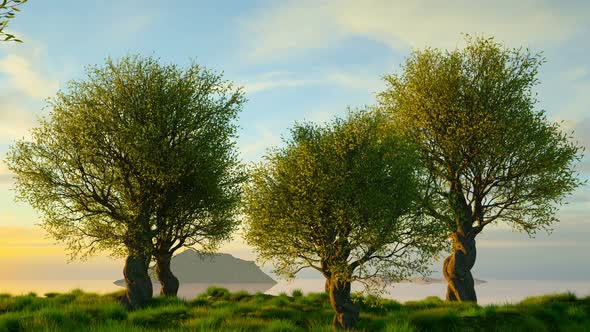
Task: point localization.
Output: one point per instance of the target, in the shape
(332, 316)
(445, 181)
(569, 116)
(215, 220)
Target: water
(186, 290)
(494, 291)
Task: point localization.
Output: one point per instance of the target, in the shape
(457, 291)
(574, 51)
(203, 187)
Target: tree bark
(346, 313)
(457, 268)
(167, 279)
(139, 285)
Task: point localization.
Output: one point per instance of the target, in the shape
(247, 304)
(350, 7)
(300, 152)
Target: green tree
(199, 201)
(339, 199)
(102, 167)
(8, 9)
(492, 157)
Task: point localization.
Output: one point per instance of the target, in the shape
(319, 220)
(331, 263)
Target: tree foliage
(8, 9)
(340, 199)
(133, 133)
(136, 154)
(490, 154)
(472, 111)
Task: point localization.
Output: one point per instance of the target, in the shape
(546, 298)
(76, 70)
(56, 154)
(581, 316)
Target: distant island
(428, 280)
(195, 270)
(192, 267)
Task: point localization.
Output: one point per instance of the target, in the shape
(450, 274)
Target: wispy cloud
(252, 147)
(251, 87)
(130, 26)
(27, 78)
(282, 80)
(20, 74)
(16, 118)
(290, 27)
(355, 80)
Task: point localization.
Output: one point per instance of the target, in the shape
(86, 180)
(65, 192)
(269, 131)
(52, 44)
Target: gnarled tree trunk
(139, 285)
(346, 312)
(139, 246)
(457, 268)
(167, 279)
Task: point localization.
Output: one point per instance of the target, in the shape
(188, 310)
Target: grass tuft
(219, 310)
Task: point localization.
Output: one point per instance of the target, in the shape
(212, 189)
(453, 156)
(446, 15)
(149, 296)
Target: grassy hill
(220, 310)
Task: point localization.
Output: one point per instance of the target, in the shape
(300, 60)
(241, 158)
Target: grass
(219, 310)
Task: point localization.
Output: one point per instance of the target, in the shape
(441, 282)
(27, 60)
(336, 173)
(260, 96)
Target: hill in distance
(190, 266)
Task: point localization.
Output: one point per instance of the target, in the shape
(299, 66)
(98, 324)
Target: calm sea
(494, 291)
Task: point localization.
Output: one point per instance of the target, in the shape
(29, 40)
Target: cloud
(294, 26)
(22, 76)
(27, 78)
(16, 118)
(355, 80)
(290, 26)
(267, 84)
(265, 139)
(280, 80)
(130, 26)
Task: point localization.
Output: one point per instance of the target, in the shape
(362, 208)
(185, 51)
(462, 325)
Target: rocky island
(196, 272)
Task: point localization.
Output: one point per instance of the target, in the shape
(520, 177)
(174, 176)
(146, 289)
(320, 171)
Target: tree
(339, 199)
(8, 9)
(101, 167)
(198, 204)
(492, 157)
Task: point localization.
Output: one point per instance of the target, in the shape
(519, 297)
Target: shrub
(281, 300)
(296, 293)
(217, 292)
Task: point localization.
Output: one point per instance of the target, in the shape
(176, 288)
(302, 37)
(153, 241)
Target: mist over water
(494, 291)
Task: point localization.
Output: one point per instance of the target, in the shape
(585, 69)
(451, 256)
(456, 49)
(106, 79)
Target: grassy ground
(219, 310)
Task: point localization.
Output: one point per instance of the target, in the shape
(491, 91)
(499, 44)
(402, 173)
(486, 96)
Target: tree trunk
(139, 286)
(167, 279)
(457, 268)
(346, 313)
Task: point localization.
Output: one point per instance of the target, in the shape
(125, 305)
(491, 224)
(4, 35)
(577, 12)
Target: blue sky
(298, 60)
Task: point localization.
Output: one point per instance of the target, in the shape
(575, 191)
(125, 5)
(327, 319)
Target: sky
(296, 60)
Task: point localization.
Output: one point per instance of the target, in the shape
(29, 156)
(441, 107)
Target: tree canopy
(340, 199)
(491, 155)
(123, 147)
